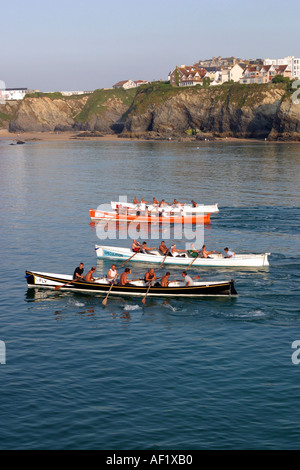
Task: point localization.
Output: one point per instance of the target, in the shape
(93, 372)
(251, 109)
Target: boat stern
(233, 290)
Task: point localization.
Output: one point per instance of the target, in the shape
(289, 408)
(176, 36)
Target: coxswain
(78, 273)
(228, 253)
(89, 277)
(187, 279)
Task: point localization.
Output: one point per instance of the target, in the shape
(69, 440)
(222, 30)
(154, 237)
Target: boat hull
(185, 219)
(216, 260)
(200, 289)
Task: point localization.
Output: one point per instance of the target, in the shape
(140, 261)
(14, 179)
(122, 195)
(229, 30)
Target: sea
(197, 374)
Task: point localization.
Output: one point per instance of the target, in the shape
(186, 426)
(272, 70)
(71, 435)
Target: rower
(123, 278)
(136, 246)
(155, 201)
(205, 253)
(163, 203)
(150, 276)
(89, 277)
(175, 252)
(163, 249)
(165, 280)
(145, 249)
(112, 273)
(78, 273)
(135, 201)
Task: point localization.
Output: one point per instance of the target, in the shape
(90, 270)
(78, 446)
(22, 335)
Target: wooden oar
(129, 259)
(104, 301)
(144, 299)
(164, 258)
(192, 261)
(70, 282)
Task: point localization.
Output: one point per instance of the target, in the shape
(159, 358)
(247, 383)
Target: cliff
(244, 111)
(161, 111)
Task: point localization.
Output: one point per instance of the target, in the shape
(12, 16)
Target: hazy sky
(72, 45)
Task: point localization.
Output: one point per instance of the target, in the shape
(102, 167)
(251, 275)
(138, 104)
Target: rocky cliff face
(161, 111)
(45, 114)
(237, 111)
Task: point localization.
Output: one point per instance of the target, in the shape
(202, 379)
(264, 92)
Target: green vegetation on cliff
(100, 100)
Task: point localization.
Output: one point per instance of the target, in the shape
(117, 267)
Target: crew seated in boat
(228, 253)
(163, 248)
(155, 202)
(150, 276)
(135, 201)
(89, 277)
(112, 273)
(165, 280)
(135, 246)
(176, 253)
(123, 278)
(146, 249)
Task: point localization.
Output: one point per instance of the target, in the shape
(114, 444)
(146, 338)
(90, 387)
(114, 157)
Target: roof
(121, 83)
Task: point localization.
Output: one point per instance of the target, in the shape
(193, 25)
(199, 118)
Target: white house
(291, 61)
(126, 84)
(10, 94)
(235, 73)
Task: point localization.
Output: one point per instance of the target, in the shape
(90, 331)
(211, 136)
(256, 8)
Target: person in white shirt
(112, 273)
(175, 252)
(228, 253)
(187, 279)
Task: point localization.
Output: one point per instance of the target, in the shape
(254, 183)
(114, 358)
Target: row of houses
(217, 75)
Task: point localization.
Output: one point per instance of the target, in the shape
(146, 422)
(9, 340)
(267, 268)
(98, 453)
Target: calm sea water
(196, 374)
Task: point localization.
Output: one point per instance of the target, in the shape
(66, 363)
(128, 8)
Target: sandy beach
(73, 136)
(52, 136)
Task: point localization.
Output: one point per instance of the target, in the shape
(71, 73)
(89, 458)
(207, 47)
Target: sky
(84, 45)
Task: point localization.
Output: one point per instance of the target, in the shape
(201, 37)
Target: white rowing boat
(215, 259)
